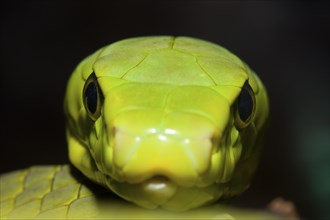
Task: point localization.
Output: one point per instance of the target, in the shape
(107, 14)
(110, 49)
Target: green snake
(163, 122)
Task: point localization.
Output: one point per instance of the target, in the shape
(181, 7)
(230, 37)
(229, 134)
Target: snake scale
(155, 126)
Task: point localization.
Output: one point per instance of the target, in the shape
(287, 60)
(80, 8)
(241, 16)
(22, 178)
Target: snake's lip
(155, 179)
(160, 177)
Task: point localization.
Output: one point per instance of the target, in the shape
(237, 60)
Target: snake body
(163, 122)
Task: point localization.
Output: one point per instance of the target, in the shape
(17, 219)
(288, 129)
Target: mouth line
(155, 179)
(157, 183)
(159, 179)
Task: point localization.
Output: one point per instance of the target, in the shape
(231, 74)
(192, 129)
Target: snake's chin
(158, 189)
(162, 192)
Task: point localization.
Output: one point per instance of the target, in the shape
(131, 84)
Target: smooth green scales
(170, 122)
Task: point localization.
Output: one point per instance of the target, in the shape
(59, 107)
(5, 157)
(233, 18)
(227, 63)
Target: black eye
(245, 106)
(92, 97)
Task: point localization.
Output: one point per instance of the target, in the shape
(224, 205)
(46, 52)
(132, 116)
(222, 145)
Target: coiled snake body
(163, 122)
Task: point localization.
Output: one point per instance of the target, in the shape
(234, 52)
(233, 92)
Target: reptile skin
(162, 122)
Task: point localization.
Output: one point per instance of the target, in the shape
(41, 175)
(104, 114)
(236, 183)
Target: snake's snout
(159, 157)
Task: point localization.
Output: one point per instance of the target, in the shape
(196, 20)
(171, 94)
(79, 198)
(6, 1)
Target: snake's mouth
(152, 192)
(160, 191)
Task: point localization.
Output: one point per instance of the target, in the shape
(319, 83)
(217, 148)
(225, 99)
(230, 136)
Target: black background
(285, 42)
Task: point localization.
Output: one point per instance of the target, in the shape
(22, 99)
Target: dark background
(285, 42)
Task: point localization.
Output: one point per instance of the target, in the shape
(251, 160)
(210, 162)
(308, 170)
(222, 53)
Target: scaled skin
(167, 135)
(59, 192)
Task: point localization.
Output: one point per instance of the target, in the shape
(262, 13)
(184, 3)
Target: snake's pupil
(91, 97)
(245, 103)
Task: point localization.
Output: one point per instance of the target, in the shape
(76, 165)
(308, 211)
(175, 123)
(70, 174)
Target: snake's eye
(245, 107)
(92, 97)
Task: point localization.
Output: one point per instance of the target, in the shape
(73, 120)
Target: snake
(152, 123)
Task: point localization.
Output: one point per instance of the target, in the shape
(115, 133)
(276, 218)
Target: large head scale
(170, 122)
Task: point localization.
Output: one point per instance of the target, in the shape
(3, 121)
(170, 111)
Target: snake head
(170, 122)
